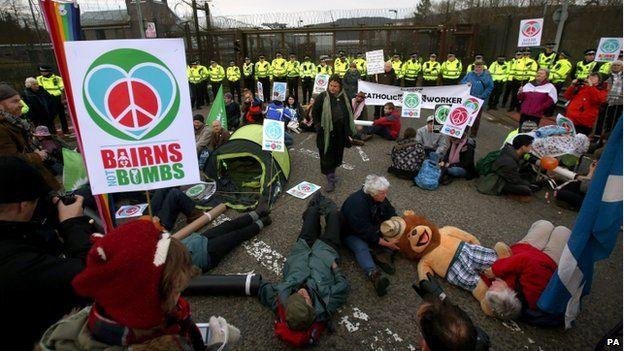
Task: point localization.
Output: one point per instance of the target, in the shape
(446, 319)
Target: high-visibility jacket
(499, 71)
(248, 69)
(292, 69)
(559, 72)
(278, 67)
(471, 67)
(605, 68)
(52, 84)
(324, 69)
(530, 69)
(396, 65)
(360, 63)
(233, 74)
(196, 74)
(431, 70)
(25, 107)
(347, 60)
(410, 69)
(451, 69)
(307, 69)
(515, 69)
(582, 69)
(340, 67)
(546, 61)
(262, 69)
(217, 73)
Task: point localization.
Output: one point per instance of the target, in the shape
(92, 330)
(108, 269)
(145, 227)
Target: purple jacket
(537, 98)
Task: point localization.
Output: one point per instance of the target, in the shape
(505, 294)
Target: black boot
(379, 282)
(385, 261)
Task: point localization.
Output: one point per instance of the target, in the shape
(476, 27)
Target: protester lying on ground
(37, 263)
(520, 278)
(218, 136)
(572, 193)
(584, 100)
(233, 112)
(313, 287)
(387, 127)
(459, 161)
(361, 215)
(407, 156)
(15, 137)
(445, 327)
(432, 141)
(149, 316)
(41, 105)
(536, 97)
(306, 124)
(251, 108)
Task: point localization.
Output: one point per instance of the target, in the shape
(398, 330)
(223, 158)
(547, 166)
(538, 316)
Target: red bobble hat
(123, 274)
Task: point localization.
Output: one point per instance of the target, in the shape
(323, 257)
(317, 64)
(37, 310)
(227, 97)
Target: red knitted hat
(123, 274)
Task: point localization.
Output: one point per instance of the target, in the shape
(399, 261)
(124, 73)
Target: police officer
(341, 65)
(278, 68)
(262, 70)
(451, 69)
(53, 84)
(605, 68)
(194, 78)
(410, 70)
(360, 63)
(498, 70)
(530, 67)
(217, 74)
(248, 74)
(341, 55)
(324, 68)
(307, 72)
(546, 59)
(293, 68)
(431, 71)
(478, 57)
(396, 66)
(514, 79)
(233, 75)
(587, 66)
(560, 70)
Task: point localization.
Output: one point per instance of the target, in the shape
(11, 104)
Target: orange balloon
(549, 163)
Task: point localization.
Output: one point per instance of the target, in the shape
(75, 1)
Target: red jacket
(585, 104)
(392, 122)
(527, 271)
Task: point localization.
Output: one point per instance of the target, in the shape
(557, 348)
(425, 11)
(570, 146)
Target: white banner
(273, 135)
(134, 113)
(530, 32)
(303, 190)
(456, 122)
(375, 62)
(279, 91)
(260, 93)
(411, 104)
(608, 49)
(379, 94)
(320, 83)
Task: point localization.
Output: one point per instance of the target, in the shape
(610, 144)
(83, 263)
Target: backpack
(484, 165)
(296, 338)
(428, 177)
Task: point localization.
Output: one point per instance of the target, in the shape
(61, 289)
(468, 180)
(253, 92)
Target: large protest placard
(530, 32)
(411, 104)
(320, 83)
(134, 113)
(279, 91)
(565, 122)
(608, 49)
(273, 135)
(303, 190)
(456, 122)
(379, 94)
(375, 62)
(260, 91)
(472, 105)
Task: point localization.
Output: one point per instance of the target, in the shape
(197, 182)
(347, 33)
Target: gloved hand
(429, 286)
(221, 335)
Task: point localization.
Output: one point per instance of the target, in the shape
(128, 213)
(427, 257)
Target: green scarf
(326, 117)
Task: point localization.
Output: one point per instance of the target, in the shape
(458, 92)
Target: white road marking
(315, 154)
(363, 154)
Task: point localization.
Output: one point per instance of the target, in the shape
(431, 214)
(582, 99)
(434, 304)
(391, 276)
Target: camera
(66, 198)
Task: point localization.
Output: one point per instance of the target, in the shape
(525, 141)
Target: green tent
(244, 172)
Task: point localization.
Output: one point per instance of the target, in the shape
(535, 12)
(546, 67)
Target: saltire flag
(217, 110)
(593, 237)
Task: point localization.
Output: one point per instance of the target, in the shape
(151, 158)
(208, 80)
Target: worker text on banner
(134, 113)
(320, 83)
(608, 49)
(530, 32)
(379, 94)
(375, 62)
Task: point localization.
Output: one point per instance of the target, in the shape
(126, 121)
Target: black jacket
(507, 166)
(36, 270)
(361, 216)
(41, 106)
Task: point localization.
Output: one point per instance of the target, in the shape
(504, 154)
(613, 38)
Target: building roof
(104, 18)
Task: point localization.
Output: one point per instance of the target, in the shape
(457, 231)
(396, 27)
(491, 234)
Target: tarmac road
(371, 323)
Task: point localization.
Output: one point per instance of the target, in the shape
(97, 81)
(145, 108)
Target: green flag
(74, 171)
(217, 110)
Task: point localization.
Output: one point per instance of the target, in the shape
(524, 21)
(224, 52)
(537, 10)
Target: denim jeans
(457, 172)
(362, 253)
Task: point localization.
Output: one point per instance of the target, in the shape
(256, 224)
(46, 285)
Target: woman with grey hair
(42, 106)
(361, 215)
(536, 97)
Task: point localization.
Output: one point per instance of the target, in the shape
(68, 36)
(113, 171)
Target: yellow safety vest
(25, 107)
(410, 69)
(233, 73)
(431, 70)
(263, 69)
(451, 70)
(546, 61)
(530, 69)
(340, 67)
(217, 73)
(498, 71)
(52, 84)
(559, 72)
(247, 69)
(605, 68)
(292, 69)
(471, 67)
(582, 69)
(307, 69)
(360, 63)
(337, 59)
(278, 67)
(396, 65)
(324, 69)
(196, 74)
(515, 70)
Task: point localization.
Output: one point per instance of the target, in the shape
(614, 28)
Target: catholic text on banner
(134, 113)
(380, 94)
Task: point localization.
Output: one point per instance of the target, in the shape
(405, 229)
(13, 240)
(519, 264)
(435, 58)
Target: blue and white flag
(593, 236)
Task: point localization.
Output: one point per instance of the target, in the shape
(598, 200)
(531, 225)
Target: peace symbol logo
(274, 131)
(441, 113)
(472, 105)
(131, 94)
(531, 28)
(411, 101)
(610, 46)
(305, 187)
(459, 116)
